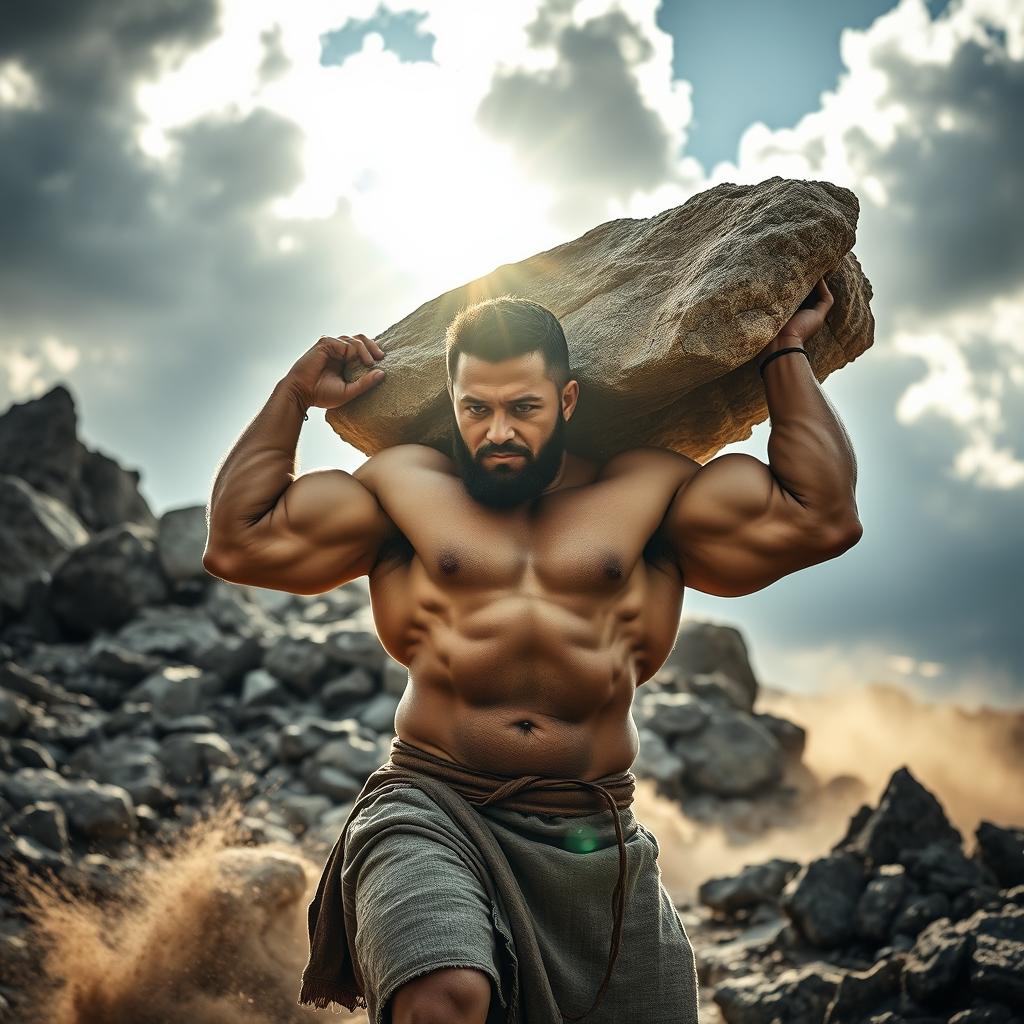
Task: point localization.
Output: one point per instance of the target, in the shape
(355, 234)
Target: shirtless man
(529, 591)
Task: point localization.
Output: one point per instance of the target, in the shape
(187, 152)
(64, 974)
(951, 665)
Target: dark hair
(504, 327)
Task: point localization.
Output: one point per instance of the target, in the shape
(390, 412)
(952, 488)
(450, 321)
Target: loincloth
(556, 895)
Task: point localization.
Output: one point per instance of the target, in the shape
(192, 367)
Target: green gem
(582, 839)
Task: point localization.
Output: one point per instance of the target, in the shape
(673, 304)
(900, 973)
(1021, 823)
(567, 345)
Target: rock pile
(895, 925)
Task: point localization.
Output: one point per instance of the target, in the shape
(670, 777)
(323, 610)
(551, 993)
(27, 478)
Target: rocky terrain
(177, 755)
(895, 924)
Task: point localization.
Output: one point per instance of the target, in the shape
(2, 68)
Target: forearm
(809, 450)
(256, 471)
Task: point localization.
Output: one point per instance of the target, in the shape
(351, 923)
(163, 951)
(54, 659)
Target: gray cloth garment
(425, 885)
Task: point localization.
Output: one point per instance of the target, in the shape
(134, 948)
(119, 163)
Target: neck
(558, 476)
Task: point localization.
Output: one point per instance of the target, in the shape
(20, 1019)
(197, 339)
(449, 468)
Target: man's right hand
(318, 376)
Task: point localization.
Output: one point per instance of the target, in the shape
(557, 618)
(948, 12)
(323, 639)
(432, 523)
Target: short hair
(504, 327)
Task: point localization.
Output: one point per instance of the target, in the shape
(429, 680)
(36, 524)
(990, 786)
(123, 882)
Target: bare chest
(585, 541)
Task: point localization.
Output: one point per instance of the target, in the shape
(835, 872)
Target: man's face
(513, 407)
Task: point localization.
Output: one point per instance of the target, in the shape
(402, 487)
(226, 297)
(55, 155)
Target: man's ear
(571, 394)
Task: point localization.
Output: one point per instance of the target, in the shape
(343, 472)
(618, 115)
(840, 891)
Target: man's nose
(499, 431)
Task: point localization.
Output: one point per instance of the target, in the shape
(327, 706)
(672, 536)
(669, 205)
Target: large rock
(753, 884)
(1002, 851)
(36, 532)
(733, 755)
(181, 541)
(105, 582)
(39, 443)
(821, 899)
(907, 818)
(664, 317)
(709, 649)
(799, 995)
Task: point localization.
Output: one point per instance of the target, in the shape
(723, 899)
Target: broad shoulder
(650, 462)
(397, 461)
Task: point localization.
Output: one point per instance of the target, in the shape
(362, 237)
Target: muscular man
(529, 591)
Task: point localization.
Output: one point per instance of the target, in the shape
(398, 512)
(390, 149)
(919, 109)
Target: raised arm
(738, 525)
(306, 534)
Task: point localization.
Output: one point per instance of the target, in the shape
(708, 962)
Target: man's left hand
(807, 320)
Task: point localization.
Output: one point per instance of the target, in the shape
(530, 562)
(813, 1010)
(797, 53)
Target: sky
(193, 191)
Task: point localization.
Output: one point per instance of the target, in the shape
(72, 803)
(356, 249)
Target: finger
(352, 349)
(364, 383)
(339, 347)
(360, 347)
(373, 345)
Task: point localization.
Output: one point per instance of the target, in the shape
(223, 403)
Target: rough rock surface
(663, 317)
(930, 938)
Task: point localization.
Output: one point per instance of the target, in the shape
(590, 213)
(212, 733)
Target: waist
(531, 794)
(518, 738)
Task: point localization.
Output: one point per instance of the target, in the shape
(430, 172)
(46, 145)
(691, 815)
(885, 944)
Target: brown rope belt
(537, 794)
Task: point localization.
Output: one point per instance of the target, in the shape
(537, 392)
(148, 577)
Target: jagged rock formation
(895, 925)
(663, 317)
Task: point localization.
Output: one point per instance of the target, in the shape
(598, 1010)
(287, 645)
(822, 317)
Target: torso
(526, 632)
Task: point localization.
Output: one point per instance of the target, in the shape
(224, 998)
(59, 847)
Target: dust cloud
(206, 931)
(972, 760)
(213, 932)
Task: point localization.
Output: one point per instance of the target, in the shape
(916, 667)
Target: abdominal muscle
(515, 740)
(514, 682)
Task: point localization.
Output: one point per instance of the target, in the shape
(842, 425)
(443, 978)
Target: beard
(503, 485)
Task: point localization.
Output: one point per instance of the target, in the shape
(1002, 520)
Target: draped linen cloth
(549, 885)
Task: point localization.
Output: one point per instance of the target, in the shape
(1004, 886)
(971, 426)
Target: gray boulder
(670, 714)
(297, 660)
(733, 755)
(181, 541)
(36, 532)
(654, 760)
(94, 810)
(105, 582)
(706, 648)
(190, 636)
(379, 713)
(754, 884)
(39, 443)
(821, 899)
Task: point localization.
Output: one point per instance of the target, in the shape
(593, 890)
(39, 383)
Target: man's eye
(526, 407)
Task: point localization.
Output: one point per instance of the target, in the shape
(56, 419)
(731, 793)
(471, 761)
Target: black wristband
(781, 352)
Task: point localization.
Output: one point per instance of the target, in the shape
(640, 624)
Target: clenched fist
(318, 376)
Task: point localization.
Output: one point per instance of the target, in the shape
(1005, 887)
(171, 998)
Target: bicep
(324, 530)
(736, 529)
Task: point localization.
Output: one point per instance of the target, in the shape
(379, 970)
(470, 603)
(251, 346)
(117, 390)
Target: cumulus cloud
(922, 126)
(592, 121)
(193, 192)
